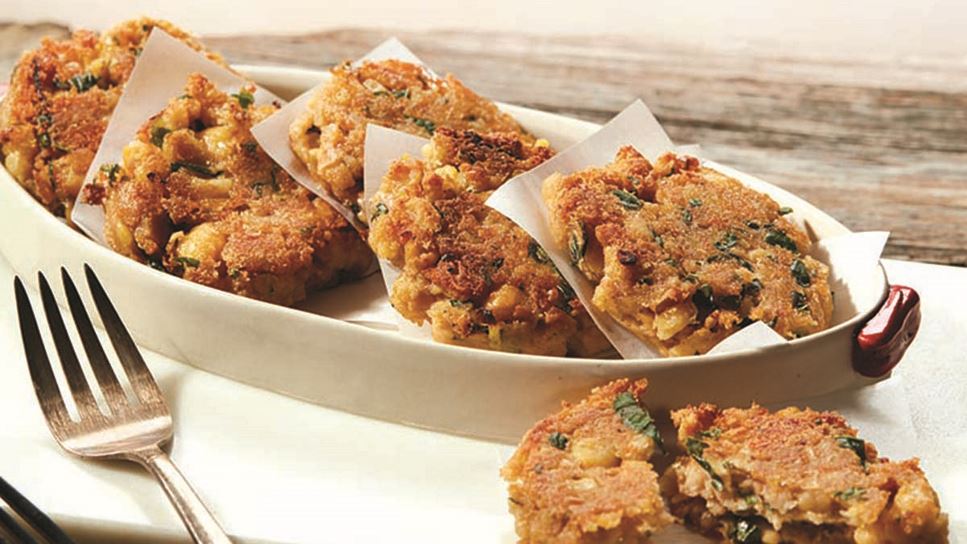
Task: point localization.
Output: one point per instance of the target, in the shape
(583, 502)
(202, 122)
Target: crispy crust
(583, 475)
(684, 256)
(196, 196)
(60, 99)
(795, 476)
(475, 276)
(329, 135)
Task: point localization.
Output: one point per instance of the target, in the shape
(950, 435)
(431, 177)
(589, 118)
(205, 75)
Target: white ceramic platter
(381, 374)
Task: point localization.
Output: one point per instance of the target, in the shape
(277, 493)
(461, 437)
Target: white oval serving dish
(382, 374)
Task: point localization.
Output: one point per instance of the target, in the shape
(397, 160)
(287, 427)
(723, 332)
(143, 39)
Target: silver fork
(135, 431)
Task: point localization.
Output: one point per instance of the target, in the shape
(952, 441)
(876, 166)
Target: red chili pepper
(881, 342)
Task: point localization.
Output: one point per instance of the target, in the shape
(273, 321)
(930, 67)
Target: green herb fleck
(658, 239)
(402, 93)
(852, 443)
(696, 449)
(627, 199)
(800, 273)
(425, 124)
(711, 432)
(576, 246)
(198, 169)
(852, 493)
(188, 261)
(84, 81)
(745, 532)
(537, 253)
(751, 500)
(727, 242)
(43, 139)
(637, 418)
(703, 297)
(158, 135)
(378, 210)
(694, 202)
(558, 440)
(245, 98)
(752, 288)
(778, 238)
(785, 210)
(687, 217)
(234, 273)
(112, 172)
(753, 225)
(43, 119)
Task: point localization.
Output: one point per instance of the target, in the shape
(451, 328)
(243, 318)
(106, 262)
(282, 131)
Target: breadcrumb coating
(61, 97)
(329, 135)
(795, 476)
(197, 197)
(474, 275)
(682, 255)
(583, 474)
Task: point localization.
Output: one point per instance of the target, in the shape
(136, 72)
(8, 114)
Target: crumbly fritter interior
(795, 476)
(61, 97)
(478, 278)
(583, 475)
(329, 135)
(197, 197)
(683, 256)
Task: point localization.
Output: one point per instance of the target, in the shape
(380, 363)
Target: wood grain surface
(880, 146)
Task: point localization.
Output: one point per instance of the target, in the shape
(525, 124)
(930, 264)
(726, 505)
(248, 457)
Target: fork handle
(202, 525)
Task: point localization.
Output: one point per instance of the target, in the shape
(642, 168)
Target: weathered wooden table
(879, 145)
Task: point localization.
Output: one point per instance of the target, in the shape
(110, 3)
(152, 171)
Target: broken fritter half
(474, 275)
(794, 476)
(583, 475)
(682, 255)
(60, 99)
(329, 135)
(196, 196)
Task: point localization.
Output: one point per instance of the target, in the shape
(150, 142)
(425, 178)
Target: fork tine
(45, 385)
(138, 373)
(83, 397)
(110, 385)
(17, 532)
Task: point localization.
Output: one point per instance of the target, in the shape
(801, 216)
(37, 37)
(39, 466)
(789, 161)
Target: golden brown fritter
(196, 196)
(329, 136)
(478, 278)
(583, 475)
(60, 100)
(683, 256)
(795, 476)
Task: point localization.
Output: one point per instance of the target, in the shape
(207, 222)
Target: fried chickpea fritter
(329, 136)
(583, 475)
(60, 100)
(196, 196)
(478, 278)
(795, 476)
(684, 256)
